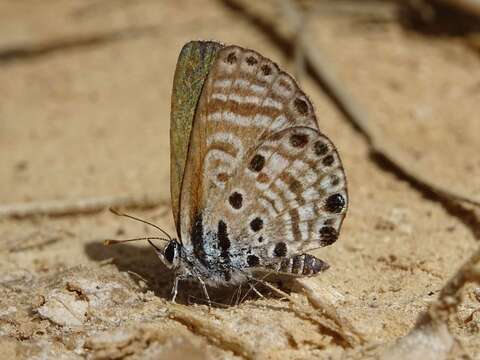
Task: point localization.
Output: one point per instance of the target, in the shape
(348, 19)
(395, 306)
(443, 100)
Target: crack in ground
(468, 217)
(201, 327)
(33, 51)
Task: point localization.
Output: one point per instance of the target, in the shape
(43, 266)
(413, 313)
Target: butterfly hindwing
(289, 198)
(302, 189)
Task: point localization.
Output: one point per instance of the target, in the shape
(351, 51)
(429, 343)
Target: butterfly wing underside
(259, 172)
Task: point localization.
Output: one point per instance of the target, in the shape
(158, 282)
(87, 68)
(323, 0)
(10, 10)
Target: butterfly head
(170, 254)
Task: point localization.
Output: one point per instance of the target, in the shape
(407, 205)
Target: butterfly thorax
(210, 269)
(211, 256)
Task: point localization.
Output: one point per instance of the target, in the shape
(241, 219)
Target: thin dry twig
(330, 322)
(471, 7)
(328, 300)
(80, 206)
(35, 50)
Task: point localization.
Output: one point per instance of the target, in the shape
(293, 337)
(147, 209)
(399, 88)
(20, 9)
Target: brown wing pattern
(257, 161)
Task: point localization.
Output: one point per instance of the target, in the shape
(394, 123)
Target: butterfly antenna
(149, 238)
(154, 246)
(118, 213)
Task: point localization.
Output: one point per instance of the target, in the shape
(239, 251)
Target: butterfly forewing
(193, 65)
(259, 173)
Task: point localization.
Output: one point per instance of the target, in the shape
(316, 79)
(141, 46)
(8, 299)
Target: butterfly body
(261, 185)
(209, 256)
(215, 266)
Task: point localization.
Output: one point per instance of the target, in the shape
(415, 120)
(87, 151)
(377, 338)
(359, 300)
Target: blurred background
(85, 90)
(86, 84)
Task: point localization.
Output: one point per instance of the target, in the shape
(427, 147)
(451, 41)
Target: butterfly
(255, 184)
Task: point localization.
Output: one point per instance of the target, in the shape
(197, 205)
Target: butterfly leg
(254, 289)
(235, 295)
(239, 294)
(204, 288)
(175, 288)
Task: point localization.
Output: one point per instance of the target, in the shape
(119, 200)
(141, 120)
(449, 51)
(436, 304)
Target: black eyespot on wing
(260, 239)
(169, 253)
(280, 249)
(328, 160)
(231, 58)
(320, 148)
(301, 106)
(256, 224)
(299, 140)
(257, 163)
(266, 70)
(253, 260)
(328, 235)
(251, 60)
(236, 200)
(335, 203)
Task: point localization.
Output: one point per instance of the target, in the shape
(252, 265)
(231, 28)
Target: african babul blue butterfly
(255, 185)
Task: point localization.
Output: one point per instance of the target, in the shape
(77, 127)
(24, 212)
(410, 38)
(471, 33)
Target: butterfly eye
(170, 251)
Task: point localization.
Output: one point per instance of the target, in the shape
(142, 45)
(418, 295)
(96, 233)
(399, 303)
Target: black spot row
(250, 60)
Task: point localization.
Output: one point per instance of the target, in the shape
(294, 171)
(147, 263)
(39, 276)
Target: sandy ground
(84, 112)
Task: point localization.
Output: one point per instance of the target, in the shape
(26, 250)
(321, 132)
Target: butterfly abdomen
(300, 265)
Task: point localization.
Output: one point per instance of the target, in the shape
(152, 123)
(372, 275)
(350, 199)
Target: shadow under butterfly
(254, 184)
